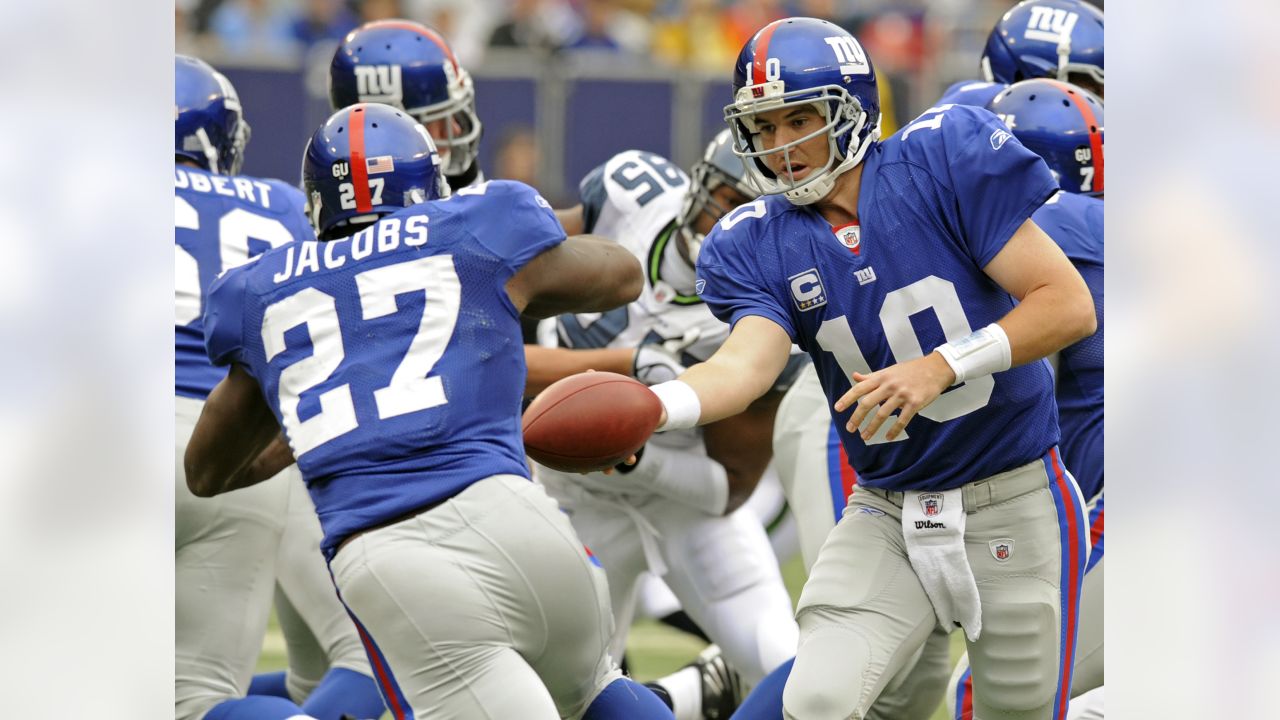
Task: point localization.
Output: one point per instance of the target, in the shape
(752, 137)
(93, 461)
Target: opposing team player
(224, 550)
(913, 241)
(389, 351)
(676, 512)
(1063, 124)
(1059, 39)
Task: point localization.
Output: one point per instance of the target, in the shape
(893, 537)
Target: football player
(470, 591)
(224, 550)
(1059, 39)
(870, 255)
(1063, 124)
(677, 512)
(410, 66)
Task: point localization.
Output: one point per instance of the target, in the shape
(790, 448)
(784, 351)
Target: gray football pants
(318, 632)
(485, 607)
(224, 565)
(864, 615)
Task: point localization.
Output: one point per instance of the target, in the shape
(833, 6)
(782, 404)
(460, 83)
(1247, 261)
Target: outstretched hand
(906, 388)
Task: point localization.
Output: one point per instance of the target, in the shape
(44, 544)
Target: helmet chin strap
(818, 189)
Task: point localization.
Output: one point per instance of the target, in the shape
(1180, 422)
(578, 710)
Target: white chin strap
(815, 190)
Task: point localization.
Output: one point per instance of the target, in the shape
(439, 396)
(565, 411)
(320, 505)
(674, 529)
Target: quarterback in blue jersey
(879, 259)
(1059, 39)
(1063, 124)
(224, 549)
(389, 352)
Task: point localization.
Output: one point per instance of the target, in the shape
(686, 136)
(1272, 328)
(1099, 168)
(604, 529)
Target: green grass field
(653, 649)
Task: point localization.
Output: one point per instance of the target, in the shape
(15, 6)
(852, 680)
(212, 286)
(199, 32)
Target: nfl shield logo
(1001, 548)
(931, 504)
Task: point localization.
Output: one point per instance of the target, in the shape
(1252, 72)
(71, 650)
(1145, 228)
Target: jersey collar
(655, 261)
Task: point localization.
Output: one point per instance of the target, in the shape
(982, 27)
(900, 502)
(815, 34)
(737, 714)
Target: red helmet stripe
(1095, 136)
(426, 32)
(359, 170)
(762, 52)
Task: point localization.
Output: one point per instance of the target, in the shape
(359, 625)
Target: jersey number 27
(410, 389)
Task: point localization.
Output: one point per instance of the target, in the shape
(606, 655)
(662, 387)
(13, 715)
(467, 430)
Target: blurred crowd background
(656, 72)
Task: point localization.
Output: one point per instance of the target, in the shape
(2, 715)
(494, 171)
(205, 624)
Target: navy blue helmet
(718, 167)
(410, 67)
(210, 129)
(366, 161)
(804, 61)
(1061, 123)
(1059, 39)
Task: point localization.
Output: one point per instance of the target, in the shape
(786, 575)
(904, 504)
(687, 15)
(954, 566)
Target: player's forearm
(547, 365)
(234, 429)
(743, 444)
(1048, 319)
(724, 389)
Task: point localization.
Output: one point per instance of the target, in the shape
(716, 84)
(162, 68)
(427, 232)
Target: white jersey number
(410, 388)
(836, 337)
(234, 230)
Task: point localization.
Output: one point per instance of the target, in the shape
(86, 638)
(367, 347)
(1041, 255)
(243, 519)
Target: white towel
(933, 527)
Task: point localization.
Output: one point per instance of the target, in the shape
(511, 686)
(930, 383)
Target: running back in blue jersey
(938, 201)
(1075, 224)
(971, 92)
(392, 358)
(220, 222)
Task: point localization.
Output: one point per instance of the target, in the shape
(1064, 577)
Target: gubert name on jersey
(245, 188)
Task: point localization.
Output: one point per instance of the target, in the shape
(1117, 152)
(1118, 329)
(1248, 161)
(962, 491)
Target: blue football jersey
(1075, 223)
(971, 92)
(220, 222)
(392, 358)
(938, 201)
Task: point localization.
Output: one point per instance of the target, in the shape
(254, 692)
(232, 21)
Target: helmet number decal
(1086, 179)
(772, 69)
(849, 55)
(347, 193)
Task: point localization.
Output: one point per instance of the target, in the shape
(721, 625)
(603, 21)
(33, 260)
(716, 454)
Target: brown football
(590, 421)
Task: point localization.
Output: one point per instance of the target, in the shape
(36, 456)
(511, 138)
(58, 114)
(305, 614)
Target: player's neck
(840, 206)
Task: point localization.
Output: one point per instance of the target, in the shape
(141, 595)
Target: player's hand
(623, 467)
(655, 363)
(905, 388)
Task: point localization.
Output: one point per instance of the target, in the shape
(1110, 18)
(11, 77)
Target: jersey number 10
(836, 337)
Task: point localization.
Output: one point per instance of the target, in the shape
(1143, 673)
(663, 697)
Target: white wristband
(983, 352)
(682, 404)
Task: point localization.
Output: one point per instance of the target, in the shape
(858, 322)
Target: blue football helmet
(410, 67)
(804, 61)
(718, 167)
(366, 161)
(1046, 38)
(210, 129)
(1061, 123)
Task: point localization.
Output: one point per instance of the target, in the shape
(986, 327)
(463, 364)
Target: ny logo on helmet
(1050, 24)
(379, 83)
(849, 55)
